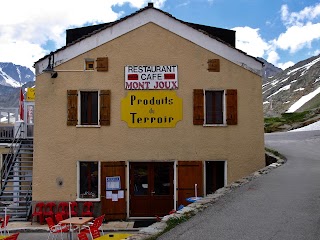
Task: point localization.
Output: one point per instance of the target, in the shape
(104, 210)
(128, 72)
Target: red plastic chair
(97, 223)
(63, 209)
(12, 237)
(74, 211)
(83, 236)
(4, 224)
(38, 212)
(95, 233)
(56, 229)
(49, 210)
(87, 209)
(59, 218)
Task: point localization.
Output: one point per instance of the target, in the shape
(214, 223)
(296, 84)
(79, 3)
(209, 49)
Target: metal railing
(8, 162)
(6, 132)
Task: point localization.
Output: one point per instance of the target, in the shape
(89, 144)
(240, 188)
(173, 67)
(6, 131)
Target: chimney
(150, 4)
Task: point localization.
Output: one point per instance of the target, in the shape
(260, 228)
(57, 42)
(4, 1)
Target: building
(139, 114)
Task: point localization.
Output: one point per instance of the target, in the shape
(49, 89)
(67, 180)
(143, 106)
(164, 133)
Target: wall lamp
(49, 68)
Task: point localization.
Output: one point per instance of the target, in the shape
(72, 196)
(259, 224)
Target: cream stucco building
(139, 114)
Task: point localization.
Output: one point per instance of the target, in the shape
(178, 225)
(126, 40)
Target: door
(151, 189)
(190, 176)
(114, 210)
(215, 175)
(29, 118)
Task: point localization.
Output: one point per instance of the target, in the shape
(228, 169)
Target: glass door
(151, 189)
(29, 119)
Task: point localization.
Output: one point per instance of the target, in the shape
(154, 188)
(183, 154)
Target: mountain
(13, 76)
(269, 70)
(294, 89)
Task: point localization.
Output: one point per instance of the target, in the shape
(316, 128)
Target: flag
(21, 108)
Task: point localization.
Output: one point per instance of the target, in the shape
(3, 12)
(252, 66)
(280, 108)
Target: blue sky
(281, 31)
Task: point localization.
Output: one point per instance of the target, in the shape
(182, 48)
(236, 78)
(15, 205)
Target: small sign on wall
(31, 94)
(214, 65)
(151, 77)
(151, 109)
(113, 183)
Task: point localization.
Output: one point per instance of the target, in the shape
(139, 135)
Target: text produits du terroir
(152, 101)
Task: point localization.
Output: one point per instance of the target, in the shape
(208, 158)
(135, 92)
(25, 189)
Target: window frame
(87, 64)
(79, 109)
(98, 198)
(224, 107)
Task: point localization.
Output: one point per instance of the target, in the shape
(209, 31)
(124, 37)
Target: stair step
(15, 191)
(7, 203)
(19, 165)
(24, 213)
(14, 208)
(18, 180)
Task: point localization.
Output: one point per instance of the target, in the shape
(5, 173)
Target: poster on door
(113, 183)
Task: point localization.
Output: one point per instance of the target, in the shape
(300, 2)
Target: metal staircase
(16, 179)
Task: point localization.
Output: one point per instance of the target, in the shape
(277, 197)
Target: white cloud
(249, 40)
(285, 65)
(316, 52)
(298, 37)
(273, 57)
(183, 4)
(29, 25)
(297, 18)
(302, 28)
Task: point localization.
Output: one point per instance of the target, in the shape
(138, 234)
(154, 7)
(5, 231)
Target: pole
(5, 218)
(70, 228)
(195, 190)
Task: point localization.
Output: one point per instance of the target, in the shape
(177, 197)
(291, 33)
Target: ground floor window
(88, 175)
(89, 108)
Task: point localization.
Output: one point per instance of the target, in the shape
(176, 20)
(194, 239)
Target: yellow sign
(151, 109)
(31, 94)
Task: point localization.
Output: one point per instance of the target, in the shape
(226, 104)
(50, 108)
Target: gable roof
(226, 35)
(83, 39)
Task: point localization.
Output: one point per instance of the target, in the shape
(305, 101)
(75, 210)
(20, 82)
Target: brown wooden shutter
(198, 107)
(113, 210)
(189, 174)
(232, 107)
(72, 98)
(102, 64)
(105, 107)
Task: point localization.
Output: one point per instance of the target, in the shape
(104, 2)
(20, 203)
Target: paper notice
(108, 194)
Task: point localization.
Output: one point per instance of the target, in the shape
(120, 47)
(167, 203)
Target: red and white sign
(151, 77)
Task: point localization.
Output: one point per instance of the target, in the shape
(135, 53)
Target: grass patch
(274, 152)
(276, 123)
(172, 223)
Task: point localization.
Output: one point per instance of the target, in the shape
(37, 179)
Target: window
(88, 179)
(215, 107)
(89, 64)
(87, 108)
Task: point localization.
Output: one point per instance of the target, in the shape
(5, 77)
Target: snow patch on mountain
(298, 104)
(7, 80)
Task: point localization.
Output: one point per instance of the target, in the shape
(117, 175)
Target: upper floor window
(89, 65)
(215, 107)
(88, 108)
